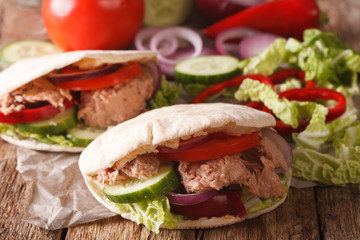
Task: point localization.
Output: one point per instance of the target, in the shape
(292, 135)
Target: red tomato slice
(214, 148)
(33, 115)
(224, 203)
(124, 73)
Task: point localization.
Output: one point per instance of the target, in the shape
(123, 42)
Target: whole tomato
(92, 24)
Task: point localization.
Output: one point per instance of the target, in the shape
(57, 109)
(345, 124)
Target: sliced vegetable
(71, 73)
(254, 44)
(124, 73)
(53, 125)
(82, 135)
(179, 32)
(187, 144)
(307, 94)
(186, 199)
(224, 203)
(234, 33)
(206, 69)
(23, 49)
(166, 180)
(288, 18)
(217, 88)
(35, 114)
(217, 146)
(283, 74)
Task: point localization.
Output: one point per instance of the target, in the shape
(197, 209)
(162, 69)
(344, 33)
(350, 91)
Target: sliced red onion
(282, 144)
(254, 44)
(155, 72)
(167, 47)
(247, 3)
(179, 32)
(76, 76)
(187, 144)
(190, 198)
(168, 69)
(232, 34)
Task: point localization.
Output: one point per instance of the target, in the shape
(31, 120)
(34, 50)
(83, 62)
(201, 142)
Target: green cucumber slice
(207, 69)
(82, 135)
(53, 125)
(22, 49)
(166, 180)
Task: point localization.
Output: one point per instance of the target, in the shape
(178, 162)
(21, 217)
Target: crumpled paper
(56, 195)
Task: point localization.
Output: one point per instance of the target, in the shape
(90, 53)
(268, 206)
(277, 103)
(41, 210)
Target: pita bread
(27, 70)
(162, 126)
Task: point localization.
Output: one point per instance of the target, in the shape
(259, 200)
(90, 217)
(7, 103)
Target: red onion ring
(76, 76)
(190, 198)
(254, 44)
(282, 144)
(180, 32)
(167, 47)
(247, 3)
(187, 144)
(234, 33)
(155, 72)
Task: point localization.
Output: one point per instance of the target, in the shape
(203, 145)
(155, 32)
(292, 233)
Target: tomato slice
(214, 148)
(35, 114)
(224, 203)
(124, 73)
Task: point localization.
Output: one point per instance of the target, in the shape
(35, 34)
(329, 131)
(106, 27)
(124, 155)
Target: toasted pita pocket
(25, 71)
(165, 126)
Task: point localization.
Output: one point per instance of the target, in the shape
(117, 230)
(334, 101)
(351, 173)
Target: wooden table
(312, 213)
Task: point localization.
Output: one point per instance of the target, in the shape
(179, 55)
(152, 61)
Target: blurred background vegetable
(79, 25)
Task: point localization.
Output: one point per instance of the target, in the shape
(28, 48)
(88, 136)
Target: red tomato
(35, 114)
(124, 73)
(83, 24)
(224, 203)
(214, 148)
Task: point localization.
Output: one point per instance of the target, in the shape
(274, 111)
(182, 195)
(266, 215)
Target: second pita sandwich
(61, 102)
(190, 166)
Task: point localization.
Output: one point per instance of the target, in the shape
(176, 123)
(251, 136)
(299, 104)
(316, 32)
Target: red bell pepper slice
(217, 88)
(282, 75)
(288, 18)
(34, 114)
(307, 94)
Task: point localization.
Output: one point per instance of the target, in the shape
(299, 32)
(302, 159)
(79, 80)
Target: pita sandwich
(61, 102)
(190, 166)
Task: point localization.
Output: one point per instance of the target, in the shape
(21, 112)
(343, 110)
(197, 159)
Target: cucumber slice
(166, 180)
(53, 125)
(82, 135)
(207, 69)
(19, 50)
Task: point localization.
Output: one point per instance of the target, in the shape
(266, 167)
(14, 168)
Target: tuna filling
(142, 167)
(253, 168)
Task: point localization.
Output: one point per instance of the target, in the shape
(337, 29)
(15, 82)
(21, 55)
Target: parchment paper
(56, 195)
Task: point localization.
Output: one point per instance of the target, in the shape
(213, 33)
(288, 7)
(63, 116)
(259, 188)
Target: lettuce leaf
(151, 213)
(167, 95)
(12, 130)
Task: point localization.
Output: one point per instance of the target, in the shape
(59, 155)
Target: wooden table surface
(312, 213)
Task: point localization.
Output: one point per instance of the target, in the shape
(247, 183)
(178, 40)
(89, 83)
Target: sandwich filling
(253, 168)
